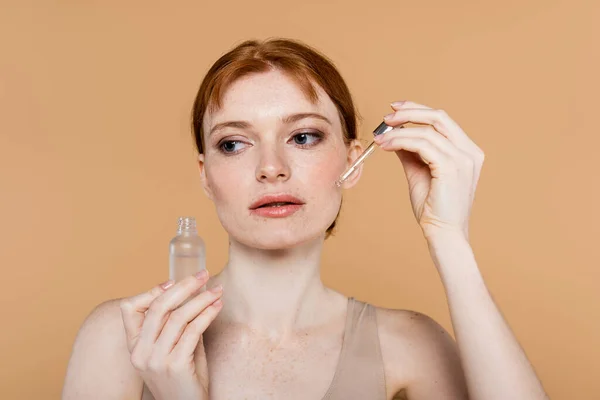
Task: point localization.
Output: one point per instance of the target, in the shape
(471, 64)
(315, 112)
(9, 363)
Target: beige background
(97, 161)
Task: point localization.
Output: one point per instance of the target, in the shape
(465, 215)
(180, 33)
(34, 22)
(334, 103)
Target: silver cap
(382, 128)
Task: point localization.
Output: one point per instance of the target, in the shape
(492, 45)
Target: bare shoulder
(420, 356)
(104, 318)
(99, 366)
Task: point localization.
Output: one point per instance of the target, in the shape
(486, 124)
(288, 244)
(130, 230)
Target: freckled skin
(280, 330)
(297, 368)
(258, 348)
(234, 181)
(245, 362)
(300, 361)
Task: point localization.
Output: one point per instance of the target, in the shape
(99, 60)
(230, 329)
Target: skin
(234, 341)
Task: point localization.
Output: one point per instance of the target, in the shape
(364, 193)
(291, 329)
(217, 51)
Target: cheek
(325, 169)
(318, 178)
(224, 183)
(323, 175)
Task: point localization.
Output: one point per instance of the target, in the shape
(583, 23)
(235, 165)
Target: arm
(442, 166)
(495, 366)
(99, 367)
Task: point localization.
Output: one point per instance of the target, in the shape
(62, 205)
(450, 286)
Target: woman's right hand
(164, 336)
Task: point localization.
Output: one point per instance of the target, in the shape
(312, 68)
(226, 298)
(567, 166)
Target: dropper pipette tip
(382, 128)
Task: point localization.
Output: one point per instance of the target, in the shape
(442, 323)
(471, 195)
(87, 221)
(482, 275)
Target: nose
(272, 165)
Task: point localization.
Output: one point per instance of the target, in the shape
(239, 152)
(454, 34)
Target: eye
(230, 146)
(308, 138)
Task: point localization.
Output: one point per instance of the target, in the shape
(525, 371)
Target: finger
(133, 310)
(412, 164)
(409, 111)
(454, 131)
(439, 119)
(194, 330)
(397, 105)
(426, 133)
(429, 153)
(163, 305)
(180, 318)
(409, 158)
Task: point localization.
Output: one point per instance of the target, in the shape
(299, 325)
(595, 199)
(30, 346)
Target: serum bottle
(187, 250)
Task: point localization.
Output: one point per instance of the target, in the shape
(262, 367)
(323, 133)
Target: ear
(355, 149)
(202, 169)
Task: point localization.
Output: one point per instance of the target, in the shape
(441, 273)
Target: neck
(275, 291)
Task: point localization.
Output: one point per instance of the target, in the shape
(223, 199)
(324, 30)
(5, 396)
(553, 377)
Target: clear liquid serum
(187, 250)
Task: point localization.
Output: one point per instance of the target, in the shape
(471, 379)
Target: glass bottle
(187, 250)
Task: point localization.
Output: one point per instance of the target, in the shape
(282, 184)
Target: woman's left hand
(442, 166)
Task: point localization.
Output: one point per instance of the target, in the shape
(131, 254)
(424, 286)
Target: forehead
(267, 96)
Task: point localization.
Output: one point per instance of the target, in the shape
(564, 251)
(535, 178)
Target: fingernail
(167, 284)
(398, 103)
(389, 116)
(218, 303)
(202, 274)
(217, 289)
(379, 138)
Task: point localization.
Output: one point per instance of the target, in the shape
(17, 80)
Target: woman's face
(257, 145)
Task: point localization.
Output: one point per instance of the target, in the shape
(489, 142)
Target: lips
(276, 206)
(275, 200)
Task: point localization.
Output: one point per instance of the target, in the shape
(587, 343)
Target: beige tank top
(359, 373)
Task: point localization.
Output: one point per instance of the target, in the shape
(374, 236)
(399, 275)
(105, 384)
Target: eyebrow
(286, 120)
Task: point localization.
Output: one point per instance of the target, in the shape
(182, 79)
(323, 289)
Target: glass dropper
(382, 128)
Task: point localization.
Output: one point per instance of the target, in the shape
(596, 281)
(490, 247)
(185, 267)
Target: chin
(281, 240)
(268, 237)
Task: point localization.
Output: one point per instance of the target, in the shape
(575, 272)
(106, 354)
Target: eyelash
(318, 135)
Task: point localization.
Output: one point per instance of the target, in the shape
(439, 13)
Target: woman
(275, 126)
